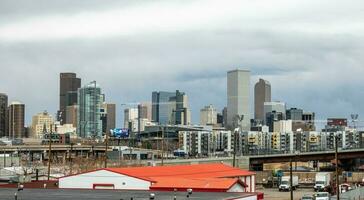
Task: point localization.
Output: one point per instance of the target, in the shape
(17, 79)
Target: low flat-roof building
(202, 177)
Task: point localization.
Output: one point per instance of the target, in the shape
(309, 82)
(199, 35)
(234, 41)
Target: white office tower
(208, 115)
(238, 95)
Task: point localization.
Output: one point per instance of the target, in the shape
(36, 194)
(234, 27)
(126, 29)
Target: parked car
(307, 197)
(345, 187)
(322, 196)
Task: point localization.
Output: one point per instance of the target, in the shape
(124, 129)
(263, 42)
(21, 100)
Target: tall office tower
(89, 124)
(15, 120)
(3, 107)
(170, 108)
(208, 115)
(42, 122)
(181, 113)
(146, 111)
(279, 107)
(262, 93)
(224, 117)
(238, 84)
(294, 114)
(220, 119)
(161, 107)
(71, 115)
(108, 117)
(309, 119)
(130, 116)
(69, 84)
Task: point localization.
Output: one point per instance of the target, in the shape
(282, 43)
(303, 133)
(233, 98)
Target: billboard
(120, 132)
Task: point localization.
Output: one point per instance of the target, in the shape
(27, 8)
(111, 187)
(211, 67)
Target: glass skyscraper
(161, 107)
(170, 108)
(88, 115)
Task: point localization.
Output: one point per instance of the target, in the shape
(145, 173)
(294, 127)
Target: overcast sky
(311, 51)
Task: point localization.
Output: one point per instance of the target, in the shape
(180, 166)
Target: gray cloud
(310, 52)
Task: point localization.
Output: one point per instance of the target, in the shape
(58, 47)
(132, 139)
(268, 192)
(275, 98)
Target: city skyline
(308, 66)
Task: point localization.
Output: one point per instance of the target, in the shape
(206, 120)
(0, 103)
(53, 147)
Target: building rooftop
(238, 70)
(16, 103)
(184, 171)
(59, 194)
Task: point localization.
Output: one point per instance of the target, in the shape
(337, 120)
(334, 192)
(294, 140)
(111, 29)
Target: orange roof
(183, 183)
(183, 171)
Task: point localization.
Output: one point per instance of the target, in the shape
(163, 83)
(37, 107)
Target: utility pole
(337, 167)
(70, 157)
(237, 119)
(106, 147)
(290, 178)
(162, 145)
(4, 158)
(235, 146)
(50, 152)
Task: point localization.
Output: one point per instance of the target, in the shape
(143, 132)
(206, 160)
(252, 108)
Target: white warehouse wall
(87, 180)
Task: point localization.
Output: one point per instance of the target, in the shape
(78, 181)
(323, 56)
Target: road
(273, 194)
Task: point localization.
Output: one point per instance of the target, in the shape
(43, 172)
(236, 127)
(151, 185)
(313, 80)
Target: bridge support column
(256, 167)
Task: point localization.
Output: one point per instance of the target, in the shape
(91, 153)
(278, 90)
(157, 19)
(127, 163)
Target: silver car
(322, 196)
(307, 197)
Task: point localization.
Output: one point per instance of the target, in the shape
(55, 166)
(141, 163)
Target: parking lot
(273, 193)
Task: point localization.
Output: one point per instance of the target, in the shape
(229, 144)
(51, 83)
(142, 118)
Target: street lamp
(337, 166)
(291, 174)
(237, 123)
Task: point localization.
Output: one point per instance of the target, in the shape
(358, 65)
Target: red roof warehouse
(201, 177)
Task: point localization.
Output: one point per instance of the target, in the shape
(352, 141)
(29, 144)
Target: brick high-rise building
(71, 115)
(15, 120)
(262, 93)
(69, 84)
(108, 112)
(3, 107)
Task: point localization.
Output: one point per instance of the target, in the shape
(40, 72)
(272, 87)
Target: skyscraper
(108, 117)
(160, 107)
(146, 111)
(238, 85)
(180, 112)
(224, 117)
(3, 107)
(277, 106)
(41, 121)
(208, 115)
(262, 93)
(89, 122)
(294, 114)
(69, 84)
(170, 108)
(131, 119)
(71, 115)
(15, 118)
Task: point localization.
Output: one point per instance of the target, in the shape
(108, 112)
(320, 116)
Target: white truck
(322, 182)
(286, 183)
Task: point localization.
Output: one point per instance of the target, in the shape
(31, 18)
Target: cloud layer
(310, 51)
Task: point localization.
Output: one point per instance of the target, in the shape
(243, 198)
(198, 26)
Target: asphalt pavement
(59, 194)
